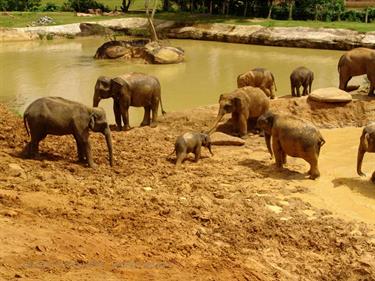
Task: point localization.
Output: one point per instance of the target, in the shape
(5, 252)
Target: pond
(30, 70)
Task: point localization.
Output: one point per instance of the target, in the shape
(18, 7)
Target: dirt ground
(231, 216)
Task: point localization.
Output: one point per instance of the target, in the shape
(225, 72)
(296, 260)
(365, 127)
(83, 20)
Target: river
(30, 70)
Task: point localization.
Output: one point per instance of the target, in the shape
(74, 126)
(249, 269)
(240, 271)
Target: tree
(125, 5)
(150, 18)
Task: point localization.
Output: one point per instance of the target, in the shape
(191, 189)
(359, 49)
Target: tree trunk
(211, 6)
(125, 5)
(150, 19)
(290, 10)
(270, 11)
(366, 16)
(166, 5)
(246, 6)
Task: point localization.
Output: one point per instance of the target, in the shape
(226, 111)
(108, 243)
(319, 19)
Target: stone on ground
(331, 94)
(218, 138)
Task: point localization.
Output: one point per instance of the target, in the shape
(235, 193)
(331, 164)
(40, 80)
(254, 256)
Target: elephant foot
(126, 128)
(244, 137)
(361, 174)
(371, 95)
(145, 123)
(314, 176)
(154, 125)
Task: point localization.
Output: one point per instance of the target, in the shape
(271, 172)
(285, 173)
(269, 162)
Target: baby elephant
(301, 76)
(366, 144)
(293, 137)
(191, 142)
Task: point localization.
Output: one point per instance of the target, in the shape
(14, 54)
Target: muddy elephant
(191, 142)
(366, 144)
(246, 105)
(301, 76)
(357, 62)
(59, 116)
(293, 137)
(131, 89)
(258, 77)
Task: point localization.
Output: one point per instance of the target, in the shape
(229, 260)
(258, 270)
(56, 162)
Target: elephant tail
(274, 82)
(162, 109)
(26, 125)
(321, 142)
(341, 62)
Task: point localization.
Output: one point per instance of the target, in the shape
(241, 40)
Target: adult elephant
(59, 116)
(131, 89)
(366, 144)
(355, 62)
(258, 77)
(246, 105)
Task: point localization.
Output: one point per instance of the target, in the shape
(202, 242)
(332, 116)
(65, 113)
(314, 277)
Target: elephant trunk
(96, 100)
(268, 143)
(218, 119)
(108, 138)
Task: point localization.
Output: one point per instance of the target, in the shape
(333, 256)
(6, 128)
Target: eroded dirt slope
(228, 217)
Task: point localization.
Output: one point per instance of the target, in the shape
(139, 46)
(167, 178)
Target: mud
(232, 216)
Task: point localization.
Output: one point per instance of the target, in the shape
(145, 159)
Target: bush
(50, 7)
(83, 6)
(353, 15)
(16, 5)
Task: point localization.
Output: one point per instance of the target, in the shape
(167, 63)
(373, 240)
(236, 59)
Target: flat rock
(331, 94)
(218, 138)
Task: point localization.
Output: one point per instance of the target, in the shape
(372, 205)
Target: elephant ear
(92, 121)
(104, 83)
(221, 97)
(237, 102)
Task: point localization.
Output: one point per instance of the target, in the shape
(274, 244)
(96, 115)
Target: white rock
(331, 94)
(218, 138)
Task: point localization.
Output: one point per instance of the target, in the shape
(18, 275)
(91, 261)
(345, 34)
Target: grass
(22, 19)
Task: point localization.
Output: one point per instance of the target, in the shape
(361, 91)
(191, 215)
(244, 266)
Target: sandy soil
(232, 216)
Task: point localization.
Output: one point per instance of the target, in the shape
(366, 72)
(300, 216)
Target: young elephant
(293, 137)
(301, 76)
(258, 77)
(191, 142)
(58, 116)
(366, 144)
(246, 105)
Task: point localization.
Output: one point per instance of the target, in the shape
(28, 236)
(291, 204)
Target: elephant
(131, 89)
(366, 144)
(301, 76)
(355, 62)
(258, 77)
(191, 142)
(293, 137)
(59, 116)
(246, 105)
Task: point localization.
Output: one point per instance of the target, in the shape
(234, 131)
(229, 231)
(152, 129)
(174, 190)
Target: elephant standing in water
(293, 137)
(366, 144)
(246, 105)
(355, 62)
(301, 76)
(59, 116)
(258, 77)
(131, 89)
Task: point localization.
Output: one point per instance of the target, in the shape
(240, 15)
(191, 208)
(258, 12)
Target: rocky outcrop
(141, 50)
(302, 37)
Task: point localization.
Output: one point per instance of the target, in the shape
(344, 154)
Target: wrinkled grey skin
(191, 142)
(131, 89)
(245, 104)
(258, 77)
(59, 116)
(301, 76)
(293, 137)
(366, 144)
(355, 62)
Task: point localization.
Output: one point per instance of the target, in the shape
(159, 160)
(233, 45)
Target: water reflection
(66, 68)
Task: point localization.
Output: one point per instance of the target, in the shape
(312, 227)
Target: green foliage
(50, 7)
(19, 5)
(83, 5)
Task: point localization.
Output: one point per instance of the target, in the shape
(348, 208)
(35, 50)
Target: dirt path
(232, 216)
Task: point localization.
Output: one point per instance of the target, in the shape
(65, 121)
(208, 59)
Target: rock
(218, 138)
(331, 94)
(164, 54)
(15, 170)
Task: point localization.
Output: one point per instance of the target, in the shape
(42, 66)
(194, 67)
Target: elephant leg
(361, 153)
(372, 85)
(310, 87)
(146, 116)
(125, 115)
(242, 125)
(344, 80)
(80, 149)
(117, 112)
(180, 157)
(283, 154)
(373, 177)
(305, 86)
(155, 109)
(252, 125)
(197, 153)
(293, 91)
(278, 152)
(33, 147)
(87, 148)
(272, 94)
(298, 91)
(314, 171)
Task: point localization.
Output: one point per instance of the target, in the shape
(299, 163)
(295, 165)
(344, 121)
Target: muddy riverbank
(321, 38)
(229, 216)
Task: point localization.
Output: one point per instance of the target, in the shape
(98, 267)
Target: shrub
(83, 5)
(50, 7)
(16, 5)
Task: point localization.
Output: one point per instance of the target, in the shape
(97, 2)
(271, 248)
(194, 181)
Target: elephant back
(255, 99)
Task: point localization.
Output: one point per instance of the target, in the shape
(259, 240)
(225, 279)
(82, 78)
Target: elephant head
(98, 123)
(229, 103)
(206, 141)
(102, 90)
(245, 79)
(265, 123)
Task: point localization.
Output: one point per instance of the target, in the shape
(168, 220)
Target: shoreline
(300, 37)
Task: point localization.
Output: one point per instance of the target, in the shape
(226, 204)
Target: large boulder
(218, 138)
(164, 54)
(329, 95)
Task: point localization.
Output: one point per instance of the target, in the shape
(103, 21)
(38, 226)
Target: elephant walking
(293, 137)
(258, 77)
(59, 116)
(301, 76)
(245, 104)
(131, 89)
(366, 144)
(355, 62)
